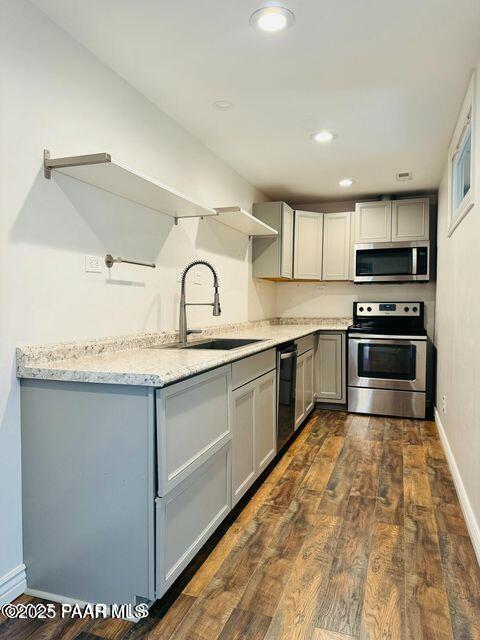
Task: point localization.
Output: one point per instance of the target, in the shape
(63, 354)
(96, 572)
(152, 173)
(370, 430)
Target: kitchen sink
(216, 344)
(221, 343)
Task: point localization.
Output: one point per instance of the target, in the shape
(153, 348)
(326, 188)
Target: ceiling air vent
(404, 175)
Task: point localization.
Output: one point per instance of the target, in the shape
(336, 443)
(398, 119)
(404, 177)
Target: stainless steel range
(387, 359)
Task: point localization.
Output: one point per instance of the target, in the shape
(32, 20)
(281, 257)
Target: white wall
(55, 94)
(457, 337)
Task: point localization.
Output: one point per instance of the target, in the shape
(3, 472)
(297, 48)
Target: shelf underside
(115, 177)
(119, 179)
(244, 222)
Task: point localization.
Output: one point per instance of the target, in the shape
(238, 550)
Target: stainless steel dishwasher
(286, 377)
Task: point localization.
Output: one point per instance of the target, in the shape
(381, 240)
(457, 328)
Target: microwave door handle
(414, 260)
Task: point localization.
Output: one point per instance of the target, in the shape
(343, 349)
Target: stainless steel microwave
(392, 262)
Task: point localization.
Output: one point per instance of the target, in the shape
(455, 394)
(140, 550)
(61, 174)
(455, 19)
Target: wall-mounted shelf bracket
(71, 161)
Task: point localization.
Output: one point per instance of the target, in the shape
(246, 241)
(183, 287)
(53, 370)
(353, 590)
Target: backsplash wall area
(335, 299)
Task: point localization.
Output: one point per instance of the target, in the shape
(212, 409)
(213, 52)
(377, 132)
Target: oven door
(389, 363)
(391, 262)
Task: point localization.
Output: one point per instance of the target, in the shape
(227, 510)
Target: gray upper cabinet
(336, 245)
(410, 220)
(403, 220)
(373, 221)
(308, 245)
(273, 257)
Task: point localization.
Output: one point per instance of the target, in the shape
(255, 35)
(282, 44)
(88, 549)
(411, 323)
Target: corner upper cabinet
(336, 245)
(308, 245)
(402, 220)
(410, 220)
(373, 221)
(273, 257)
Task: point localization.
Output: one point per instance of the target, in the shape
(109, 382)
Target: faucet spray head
(216, 303)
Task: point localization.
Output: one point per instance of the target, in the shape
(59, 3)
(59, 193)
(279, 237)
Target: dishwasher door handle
(288, 356)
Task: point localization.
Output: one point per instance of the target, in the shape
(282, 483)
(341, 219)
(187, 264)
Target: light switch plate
(197, 278)
(93, 264)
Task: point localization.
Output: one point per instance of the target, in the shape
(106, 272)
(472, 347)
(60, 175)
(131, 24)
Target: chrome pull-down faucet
(182, 325)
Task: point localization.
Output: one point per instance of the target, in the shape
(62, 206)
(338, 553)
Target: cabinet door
(336, 246)
(265, 420)
(203, 401)
(410, 220)
(330, 368)
(286, 257)
(308, 398)
(351, 255)
(243, 439)
(189, 514)
(299, 386)
(373, 221)
(308, 245)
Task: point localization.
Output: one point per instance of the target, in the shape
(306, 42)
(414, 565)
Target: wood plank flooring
(356, 533)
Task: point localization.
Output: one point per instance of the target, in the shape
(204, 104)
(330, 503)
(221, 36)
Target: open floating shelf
(100, 170)
(243, 221)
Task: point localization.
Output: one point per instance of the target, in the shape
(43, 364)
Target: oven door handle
(386, 339)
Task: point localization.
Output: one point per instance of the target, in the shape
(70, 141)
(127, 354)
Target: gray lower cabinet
(88, 482)
(253, 431)
(192, 423)
(189, 514)
(330, 367)
(122, 485)
(304, 399)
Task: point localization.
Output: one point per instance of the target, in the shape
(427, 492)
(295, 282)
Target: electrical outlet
(93, 264)
(197, 278)
(444, 404)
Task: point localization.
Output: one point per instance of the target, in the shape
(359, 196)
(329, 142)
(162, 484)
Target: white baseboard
(472, 524)
(13, 584)
(55, 597)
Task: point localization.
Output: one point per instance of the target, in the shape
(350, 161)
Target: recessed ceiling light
(272, 19)
(223, 104)
(345, 182)
(323, 136)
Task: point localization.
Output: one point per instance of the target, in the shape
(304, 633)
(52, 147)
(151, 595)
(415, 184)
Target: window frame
(465, 122)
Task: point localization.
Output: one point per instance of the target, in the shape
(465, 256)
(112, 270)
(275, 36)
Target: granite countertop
(137, 360)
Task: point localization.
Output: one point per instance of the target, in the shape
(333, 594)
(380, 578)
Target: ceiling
(387, 77)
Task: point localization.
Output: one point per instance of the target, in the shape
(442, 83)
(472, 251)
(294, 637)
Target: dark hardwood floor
(357, 532)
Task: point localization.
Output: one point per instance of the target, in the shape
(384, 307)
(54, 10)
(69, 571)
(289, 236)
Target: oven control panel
(398, 309)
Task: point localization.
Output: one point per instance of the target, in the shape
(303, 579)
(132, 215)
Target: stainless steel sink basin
(221, 344)
(216, 344)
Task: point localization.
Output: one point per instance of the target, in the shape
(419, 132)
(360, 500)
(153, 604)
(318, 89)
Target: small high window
(461, 175)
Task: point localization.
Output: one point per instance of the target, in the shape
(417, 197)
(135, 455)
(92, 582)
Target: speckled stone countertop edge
(134, 362)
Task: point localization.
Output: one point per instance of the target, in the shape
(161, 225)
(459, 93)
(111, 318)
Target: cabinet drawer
(304, 344)
(193, 421)
(189, 514)
(253, 367)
